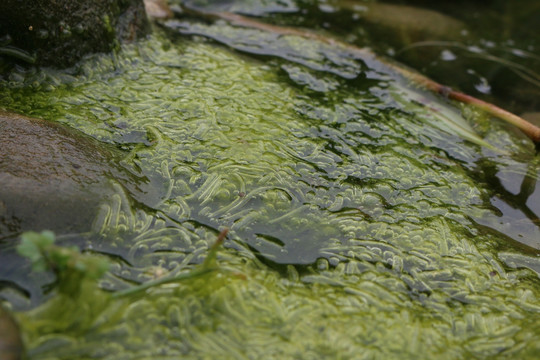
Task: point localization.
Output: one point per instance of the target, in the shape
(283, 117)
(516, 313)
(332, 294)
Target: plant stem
(206, 267)
(165, 280)
(532, 131)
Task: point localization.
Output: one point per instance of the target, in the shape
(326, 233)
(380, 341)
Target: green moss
(350, 215)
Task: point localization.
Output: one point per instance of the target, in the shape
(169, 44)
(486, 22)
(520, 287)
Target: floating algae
(351, 217)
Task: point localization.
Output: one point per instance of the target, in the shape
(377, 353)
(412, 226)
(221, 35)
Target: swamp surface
(363, 225)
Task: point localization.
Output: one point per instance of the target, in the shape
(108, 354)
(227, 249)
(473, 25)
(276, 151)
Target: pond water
(362, 225)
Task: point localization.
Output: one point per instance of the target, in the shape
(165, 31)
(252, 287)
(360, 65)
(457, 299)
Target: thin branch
(532, 131)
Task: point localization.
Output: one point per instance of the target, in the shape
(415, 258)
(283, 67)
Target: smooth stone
(11, 344)
(52, 177)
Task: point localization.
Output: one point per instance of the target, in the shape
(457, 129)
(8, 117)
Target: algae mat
(354, 210)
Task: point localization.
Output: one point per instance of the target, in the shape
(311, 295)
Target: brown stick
(532, 131)
(221, 237)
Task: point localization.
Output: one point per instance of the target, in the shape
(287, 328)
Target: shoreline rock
(52, 177)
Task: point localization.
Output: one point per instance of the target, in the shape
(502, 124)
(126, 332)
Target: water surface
(364, 226)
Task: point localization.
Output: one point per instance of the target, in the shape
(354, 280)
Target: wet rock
(52, 177)
(11, 345)
(60, 32)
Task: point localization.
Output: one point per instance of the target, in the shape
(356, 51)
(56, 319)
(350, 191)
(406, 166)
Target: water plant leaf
(67, 263)
(33, 245)
(443, 117)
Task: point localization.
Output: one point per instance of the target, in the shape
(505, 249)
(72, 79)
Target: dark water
(492, 54)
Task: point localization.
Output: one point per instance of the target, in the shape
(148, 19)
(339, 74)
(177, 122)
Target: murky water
(365, 226)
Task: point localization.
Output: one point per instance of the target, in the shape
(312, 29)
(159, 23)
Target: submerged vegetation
(531, 130)
(361, 225)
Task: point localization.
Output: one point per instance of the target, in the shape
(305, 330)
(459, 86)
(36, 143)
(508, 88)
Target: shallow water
(365, 228)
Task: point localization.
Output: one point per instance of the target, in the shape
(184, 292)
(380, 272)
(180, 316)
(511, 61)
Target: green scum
(351, 214)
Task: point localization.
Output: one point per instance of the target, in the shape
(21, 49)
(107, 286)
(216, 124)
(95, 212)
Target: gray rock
(52, 177)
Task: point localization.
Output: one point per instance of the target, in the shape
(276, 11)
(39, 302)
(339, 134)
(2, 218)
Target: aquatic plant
(532, 131)
(80, 302)
(362, 226)
(207, 266)
(70, 266)
(17, 53)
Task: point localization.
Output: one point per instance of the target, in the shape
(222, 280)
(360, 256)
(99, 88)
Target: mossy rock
(60, 32)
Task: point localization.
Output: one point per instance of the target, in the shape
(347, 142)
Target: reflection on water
(516, 198)
(493, 53)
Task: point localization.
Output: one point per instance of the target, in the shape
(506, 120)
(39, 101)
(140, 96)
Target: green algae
(351, 217)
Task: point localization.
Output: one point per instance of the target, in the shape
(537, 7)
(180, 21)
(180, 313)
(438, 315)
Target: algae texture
(351, 215)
